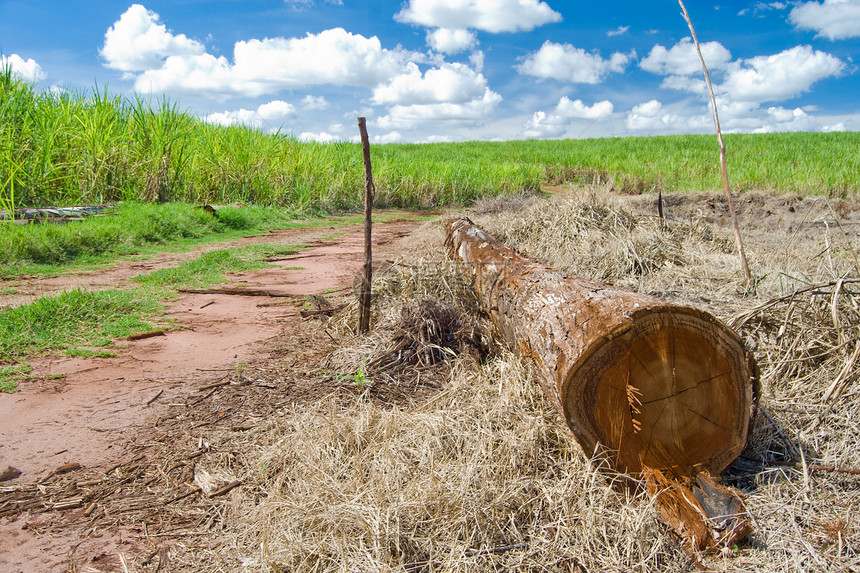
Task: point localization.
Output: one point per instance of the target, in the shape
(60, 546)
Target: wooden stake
(744, 266)
(364, 297)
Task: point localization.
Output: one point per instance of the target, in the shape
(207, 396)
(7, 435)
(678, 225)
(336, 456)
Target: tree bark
(652, 385)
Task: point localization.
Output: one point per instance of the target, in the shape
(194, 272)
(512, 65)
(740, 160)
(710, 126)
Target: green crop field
(67, 148)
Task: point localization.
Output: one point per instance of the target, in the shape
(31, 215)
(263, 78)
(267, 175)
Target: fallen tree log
(658, 389)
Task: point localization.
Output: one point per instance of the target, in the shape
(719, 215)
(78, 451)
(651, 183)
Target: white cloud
(566, 111)
(451, 41)
(160, 61)
(271, 115)
(835, 127)
(138, 42)
(568, 63)
(321, 137)
(487, 15)
(307, 4)
(452, 92)
(761, 7)
(451, 83)
(832, 19)
(334, 57)
(653, 117)
(682, 59)
(476, 58)
(314, 103)
(471, 112)
(685, 84)
(391, 137)
(742, 86)
(618, 31)
(27, 70)
(771, 120)
(779, 77)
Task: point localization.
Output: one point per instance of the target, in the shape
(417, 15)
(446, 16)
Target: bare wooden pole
(364, 297)
(744, 266)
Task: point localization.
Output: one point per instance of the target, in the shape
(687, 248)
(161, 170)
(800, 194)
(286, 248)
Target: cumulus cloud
(567, 63)
(490, 16)
(27, 70)
(451, 41)
(781, 76)
(321, 137)
(138, 41)
(450, 92)
(470, 112)
(335, 57)
(314, 103)
(652, 117)
(452, 83)
(682, 59)
(391, 137)
(618, 31)
(832, 19)
(762, 78)
(557, 122)
(160, 61)
(271, 115)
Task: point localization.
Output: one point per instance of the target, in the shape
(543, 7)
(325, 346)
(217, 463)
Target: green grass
(140, 230)
(10, 375)
(74, 319)
(89, 353)
(79, 322)
(74, 148)
(210, 268)
(133, 228)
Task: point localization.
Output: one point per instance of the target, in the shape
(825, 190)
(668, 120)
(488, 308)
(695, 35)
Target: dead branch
(744, 266)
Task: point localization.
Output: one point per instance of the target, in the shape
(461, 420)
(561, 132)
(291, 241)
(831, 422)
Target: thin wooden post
(723, 168)
(364, 296)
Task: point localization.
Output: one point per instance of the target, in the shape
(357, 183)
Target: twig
(844, 376)
(225, 488)
(494, 550)
(237, 291)
(744, 266)
(740, 319)
(156, 397)
(143, 335)
(207, 395)
(213, 385)
(794, 451)
(194, 490)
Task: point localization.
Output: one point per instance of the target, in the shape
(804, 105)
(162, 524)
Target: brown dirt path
(89, 415)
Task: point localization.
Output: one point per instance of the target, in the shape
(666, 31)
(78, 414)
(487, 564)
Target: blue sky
(452, 70)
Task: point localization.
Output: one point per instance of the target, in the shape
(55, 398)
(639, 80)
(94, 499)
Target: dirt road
(91, 414)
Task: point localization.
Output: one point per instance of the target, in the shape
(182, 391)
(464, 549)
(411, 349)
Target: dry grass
(480, 474)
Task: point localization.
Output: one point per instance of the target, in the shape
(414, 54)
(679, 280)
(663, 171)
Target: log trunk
(652, 385)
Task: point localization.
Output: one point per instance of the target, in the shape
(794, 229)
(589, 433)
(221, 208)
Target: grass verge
(132, 229)
(210, 268)
(68, 321)
(78, 321)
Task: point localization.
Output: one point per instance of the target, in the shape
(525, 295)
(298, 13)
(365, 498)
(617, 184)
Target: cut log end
(670, 389)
